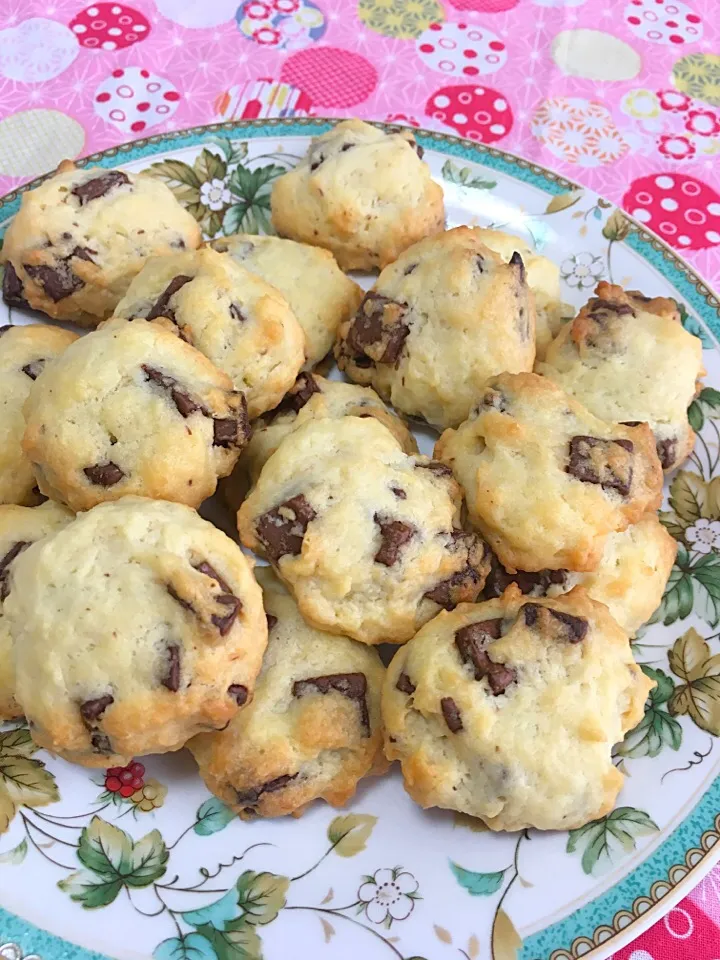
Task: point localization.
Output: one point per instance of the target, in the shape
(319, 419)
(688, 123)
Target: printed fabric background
(622, 96)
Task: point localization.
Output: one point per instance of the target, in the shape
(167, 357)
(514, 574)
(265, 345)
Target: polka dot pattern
(133, 99)
(664, 21)
(331, 77)
(461, 49)
(681, 209)
(109, 26)
(476, 112)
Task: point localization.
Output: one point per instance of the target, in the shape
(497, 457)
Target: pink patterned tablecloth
(619, 95)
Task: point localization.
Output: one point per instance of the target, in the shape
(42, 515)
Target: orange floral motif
(578, 131)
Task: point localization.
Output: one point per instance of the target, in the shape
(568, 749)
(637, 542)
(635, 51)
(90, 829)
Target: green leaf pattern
(601, 840)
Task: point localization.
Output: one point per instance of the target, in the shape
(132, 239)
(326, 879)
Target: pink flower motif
(675, 147)
(401, 118)
(704, 123)
(674, 101)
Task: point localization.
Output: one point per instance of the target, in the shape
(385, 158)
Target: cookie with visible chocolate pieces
(19, 527)
(132, 409)
(439, 322)
(368, 539)
(545, 480)
(313, 729)
(319, 293)
(138, 625)
(25, 351)
(312, 397)
(361, 193)
(628, 358)
(80, 237)
(508, 710)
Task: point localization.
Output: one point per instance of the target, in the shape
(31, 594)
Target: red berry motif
(125, 780)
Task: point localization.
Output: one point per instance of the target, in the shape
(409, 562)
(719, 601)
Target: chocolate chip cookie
(630, 579)
(25, 351)
(138, 625)
(82, 235)
(545, 480)
(368, 539)
(227, 313)
(361, 193)
(439, 322)
(19, 527)
(132, 409)
(319, 293)
(627, 358)
(508, 710)
(313, 728)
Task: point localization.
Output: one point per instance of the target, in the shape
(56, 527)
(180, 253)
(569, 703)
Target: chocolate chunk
(418, 149)
(35, 368)
(465, 585)
(395, 534)
(632, 423)
(602, 310)
(58, 282)
(184, 403)
(12, 287)
(298, 395)
(350, 685)
(100, 743)
(441, 469)
(592, 460)
(494, 400)
(84, 253)
(254, 794)
(667, 452)
(99, 186)
(176, 596)
(409, 269)
(471, 642)
(226, 599)
(14, 551)
(209, 571)
(517, 261)
(236, 313)
(233, 431)
(161, 306)
(405, 685)
(566, 626)
(104, 474)
(92, 710)
(536, 584)
(171, 677)
(239, 693)
(271, 620)
(378, 331)
(399, 493)
(452, 715)
(282, 529)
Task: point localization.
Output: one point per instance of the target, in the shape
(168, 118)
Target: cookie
(312, 397)
(19, 527)
(543, 278)
(131, 409)
(367, 538)
(319, 293)
(545, 480)
(627, 358)
(81, 236)
(135, 627)
(508, 710)
(227, 313)
(439, 322)
(361, 193)
(630, 579)
(24, 353)
(313, 728)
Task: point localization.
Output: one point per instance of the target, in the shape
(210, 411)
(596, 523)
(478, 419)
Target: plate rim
(663, 895)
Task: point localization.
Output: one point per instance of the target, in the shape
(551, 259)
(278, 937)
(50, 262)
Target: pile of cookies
(512, 568)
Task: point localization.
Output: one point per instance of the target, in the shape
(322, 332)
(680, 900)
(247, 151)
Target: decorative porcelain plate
(142, 861)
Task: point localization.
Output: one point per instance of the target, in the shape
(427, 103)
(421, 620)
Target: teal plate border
(694, 846)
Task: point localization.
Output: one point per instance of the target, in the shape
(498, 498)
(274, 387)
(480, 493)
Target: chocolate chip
(536, 584)
(494, 400)
(209, 571)
(226, 599)
(602, 310)
(632, 423)
(104, 474)
(299, 394)
(236, 313)
(35, 368)
(14, 551)
(12, 287)
(347, 146)
(176, 596)
(233, 431)
(184, 403)
(452, 715)
(350, 685)
(399, 493)
(592, 460)
(272, 786)
(418, 149)
(667, 452)
(161, 306)
(569, 628)
(378, 331)
(177, 244)
(83, 253)
(480, 263)
(471, 642)
(441, 469)
(465, 585)
(99, 186)
(395, 534)
(58, 282)
(171, 677)
(517, 261)
(282, 529)
(239, 693)
(100, 743)
(405, 685)
(409, 269)
(92, 710)
(271, 620)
